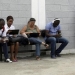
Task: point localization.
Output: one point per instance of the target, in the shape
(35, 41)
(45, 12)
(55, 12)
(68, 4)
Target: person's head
(56, 22)
(9, 20)
(32, 21)
(2, 23)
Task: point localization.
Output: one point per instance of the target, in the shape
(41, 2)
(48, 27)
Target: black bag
(24, 41)
(14, 39)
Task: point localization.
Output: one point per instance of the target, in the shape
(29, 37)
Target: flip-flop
(37, 58)
(46, 45)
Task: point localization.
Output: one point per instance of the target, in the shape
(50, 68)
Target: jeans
(37, 43)
(4, 45)
(52, 41)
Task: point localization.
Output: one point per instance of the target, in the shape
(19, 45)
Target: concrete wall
(65, 10)
(19, 9)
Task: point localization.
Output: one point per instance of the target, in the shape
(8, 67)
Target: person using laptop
(32, 28)
(53, 36)
(3, 40)
(13, 45)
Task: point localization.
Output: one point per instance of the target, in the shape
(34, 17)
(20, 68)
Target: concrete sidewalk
(64, 65)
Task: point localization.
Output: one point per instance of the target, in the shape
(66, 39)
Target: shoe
(8, 60)
(57, 55)
(46, 45)
(37, 58)
(53, 57)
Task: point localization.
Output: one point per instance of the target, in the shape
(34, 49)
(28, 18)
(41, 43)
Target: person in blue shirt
(53, 36)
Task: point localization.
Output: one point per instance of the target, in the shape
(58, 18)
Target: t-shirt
(12, 27)
(2, 33)
(52, 30)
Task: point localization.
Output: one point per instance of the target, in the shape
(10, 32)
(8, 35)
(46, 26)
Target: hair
(2, 21)
(32, 19)
(9, 17)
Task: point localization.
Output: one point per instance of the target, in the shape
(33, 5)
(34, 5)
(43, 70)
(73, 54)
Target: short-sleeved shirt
(9, 28)
(2, 33)
(52, 30)
(12, 27)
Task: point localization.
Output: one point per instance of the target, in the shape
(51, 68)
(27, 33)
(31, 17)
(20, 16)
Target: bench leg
(0, 53)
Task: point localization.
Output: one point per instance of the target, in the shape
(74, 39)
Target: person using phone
(53, 36)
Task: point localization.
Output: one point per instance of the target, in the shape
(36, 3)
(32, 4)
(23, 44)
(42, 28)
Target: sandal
(46, 45)
(37, 58)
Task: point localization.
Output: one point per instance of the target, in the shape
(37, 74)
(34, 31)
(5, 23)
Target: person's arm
(24, 30)
(38, 30)
(49, 35)
(47, 28)
(4, 38)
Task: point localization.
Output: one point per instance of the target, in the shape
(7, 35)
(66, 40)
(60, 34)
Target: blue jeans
(52, 41)
(4, 45)
(37, 43)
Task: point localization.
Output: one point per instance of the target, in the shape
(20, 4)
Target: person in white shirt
(3, 40)
(13, 45)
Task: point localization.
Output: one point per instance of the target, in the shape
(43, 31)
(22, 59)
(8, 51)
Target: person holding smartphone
(53, 36)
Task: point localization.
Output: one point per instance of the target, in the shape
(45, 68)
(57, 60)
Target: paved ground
(46, 66)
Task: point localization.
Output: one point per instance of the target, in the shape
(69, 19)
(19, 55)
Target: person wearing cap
(32, 28)
(53, 36)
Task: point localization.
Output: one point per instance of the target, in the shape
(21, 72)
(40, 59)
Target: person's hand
(9, 31)
(4, 40)
(39, 34)
(58, 35)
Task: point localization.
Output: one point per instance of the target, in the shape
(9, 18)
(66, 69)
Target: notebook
(34, 35)
(13, 32)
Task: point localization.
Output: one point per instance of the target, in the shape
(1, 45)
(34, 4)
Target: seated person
(32, 28)
(14, 46)
(53, 36)
(3, 40)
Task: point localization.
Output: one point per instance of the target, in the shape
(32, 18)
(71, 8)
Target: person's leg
(37, 50)
(16, 50)
(62, 46)
(5, 50)
(52, 42)
(37, 43)
(12, 51)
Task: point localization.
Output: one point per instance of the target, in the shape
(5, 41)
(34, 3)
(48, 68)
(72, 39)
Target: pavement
(64, 65)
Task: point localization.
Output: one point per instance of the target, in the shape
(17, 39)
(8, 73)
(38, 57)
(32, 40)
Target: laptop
(34, 35)
(13, 32)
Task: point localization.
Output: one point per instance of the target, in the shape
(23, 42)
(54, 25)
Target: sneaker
(8, 60)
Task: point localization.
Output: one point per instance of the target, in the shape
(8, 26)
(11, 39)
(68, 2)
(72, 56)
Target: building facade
(44, 11)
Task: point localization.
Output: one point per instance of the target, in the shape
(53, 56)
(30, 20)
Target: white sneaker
(8, 60)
